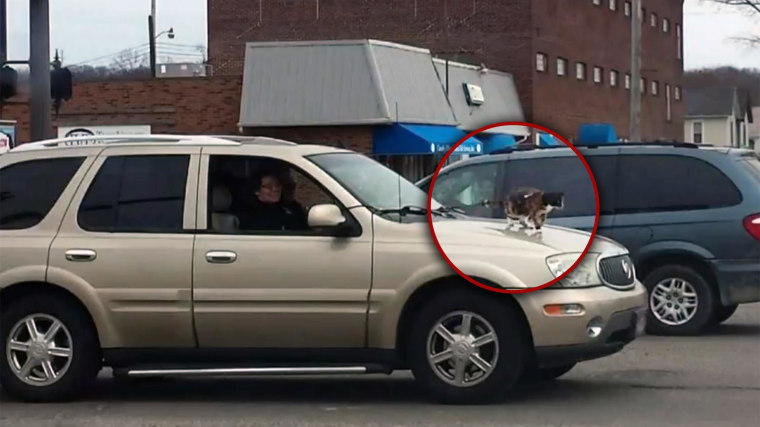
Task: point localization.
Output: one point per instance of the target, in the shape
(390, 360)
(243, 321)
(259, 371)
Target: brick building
(569, 58)
(205, 105)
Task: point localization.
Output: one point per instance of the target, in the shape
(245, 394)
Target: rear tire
(723, 313)
(681, 301)
(49, 377)
(439, 329)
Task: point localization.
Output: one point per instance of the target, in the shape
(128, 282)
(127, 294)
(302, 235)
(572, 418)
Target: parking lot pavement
(693, 381)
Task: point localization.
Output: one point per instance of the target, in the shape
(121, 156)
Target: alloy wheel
(673, 301)
(462, 349)
(39, 349)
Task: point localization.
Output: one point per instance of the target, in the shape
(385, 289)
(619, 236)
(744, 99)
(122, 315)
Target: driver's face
(270, 190)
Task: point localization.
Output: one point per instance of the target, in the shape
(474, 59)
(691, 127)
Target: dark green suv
(689, 215)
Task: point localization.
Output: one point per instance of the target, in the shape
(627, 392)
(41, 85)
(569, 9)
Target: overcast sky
(92, 30)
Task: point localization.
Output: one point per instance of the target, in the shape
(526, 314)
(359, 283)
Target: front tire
(467, 347)
(49, 347)
(681, 301)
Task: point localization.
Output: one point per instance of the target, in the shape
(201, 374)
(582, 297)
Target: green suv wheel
(681, 301)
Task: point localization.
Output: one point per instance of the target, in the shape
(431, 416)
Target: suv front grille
(617, 272)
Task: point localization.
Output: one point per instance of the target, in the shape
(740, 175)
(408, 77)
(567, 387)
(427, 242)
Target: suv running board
(245, 371)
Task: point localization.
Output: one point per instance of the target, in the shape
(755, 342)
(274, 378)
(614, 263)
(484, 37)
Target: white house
(754, 130)
(717, 115)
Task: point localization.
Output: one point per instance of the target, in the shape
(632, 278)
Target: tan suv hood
(492, 233)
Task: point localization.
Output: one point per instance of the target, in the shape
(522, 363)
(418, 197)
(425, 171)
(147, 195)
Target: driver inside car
(273, 211)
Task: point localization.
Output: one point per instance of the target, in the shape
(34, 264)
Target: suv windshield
(375, 185)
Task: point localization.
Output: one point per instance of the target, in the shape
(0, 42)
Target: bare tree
(752, 9)
(753, 6)
(128, 60)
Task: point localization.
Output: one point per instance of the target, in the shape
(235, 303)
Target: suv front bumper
(622, 328)
(610, 319)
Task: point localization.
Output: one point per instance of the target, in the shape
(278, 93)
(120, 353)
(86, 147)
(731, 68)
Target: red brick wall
(181, 105)
(579, 31)
(495, 32)
(503, 34)
(356, 138)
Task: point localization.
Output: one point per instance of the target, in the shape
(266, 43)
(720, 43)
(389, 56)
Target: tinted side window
(563, 174)
(28, 190)
(671, 183)
(604, 169)
(467, 187)
(137, 194)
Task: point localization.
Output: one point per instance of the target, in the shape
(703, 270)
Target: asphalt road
(713, 380)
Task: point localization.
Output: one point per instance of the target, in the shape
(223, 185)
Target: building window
(613, 4)
(696, 128)
(627, 8)
(642, 15)
(678, 93)
(628, 82)
(655, 88)
(580, 71)
(667, 102)
(561, 66)
(598, 75)
(665, 25)
(653, 20)
(597, 2)
(613, 78)
(678, 37)
(541, 60)
(643, 85)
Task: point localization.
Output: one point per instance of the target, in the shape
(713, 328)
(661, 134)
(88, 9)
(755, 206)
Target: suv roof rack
(79, 141)
(658, 143)
(247, 139)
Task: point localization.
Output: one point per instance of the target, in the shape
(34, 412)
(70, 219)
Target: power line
(110, 55)
(194, 46)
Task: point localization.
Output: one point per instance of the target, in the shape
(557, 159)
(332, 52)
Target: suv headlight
(584, 275)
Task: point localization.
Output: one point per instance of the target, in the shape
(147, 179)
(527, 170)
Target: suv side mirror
(327, 215)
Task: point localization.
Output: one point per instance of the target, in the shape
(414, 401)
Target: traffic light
(8, 82)
(60, 84)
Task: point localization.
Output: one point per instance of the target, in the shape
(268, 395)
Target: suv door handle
(221, 257)
(80, 255)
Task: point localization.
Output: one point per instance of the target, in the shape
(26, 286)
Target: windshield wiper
(408, 210)
(449, 209)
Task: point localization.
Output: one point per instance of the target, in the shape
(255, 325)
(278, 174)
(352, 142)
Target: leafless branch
(752, 6)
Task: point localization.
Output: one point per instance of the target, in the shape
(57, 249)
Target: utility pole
(152, 37)
(39, 68)
(3, 33)
(634, 121)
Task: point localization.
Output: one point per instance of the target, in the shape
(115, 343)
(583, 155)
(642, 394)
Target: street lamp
(169, 33)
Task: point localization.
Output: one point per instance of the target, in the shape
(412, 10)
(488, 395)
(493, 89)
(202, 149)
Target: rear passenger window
(672, 183)
(560, 174)
(137, 194)
(28, 190)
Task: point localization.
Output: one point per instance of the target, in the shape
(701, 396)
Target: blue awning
(496, 141)
(410, 139)
(596, 133)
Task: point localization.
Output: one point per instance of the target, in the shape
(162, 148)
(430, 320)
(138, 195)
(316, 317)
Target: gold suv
(196, 255)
